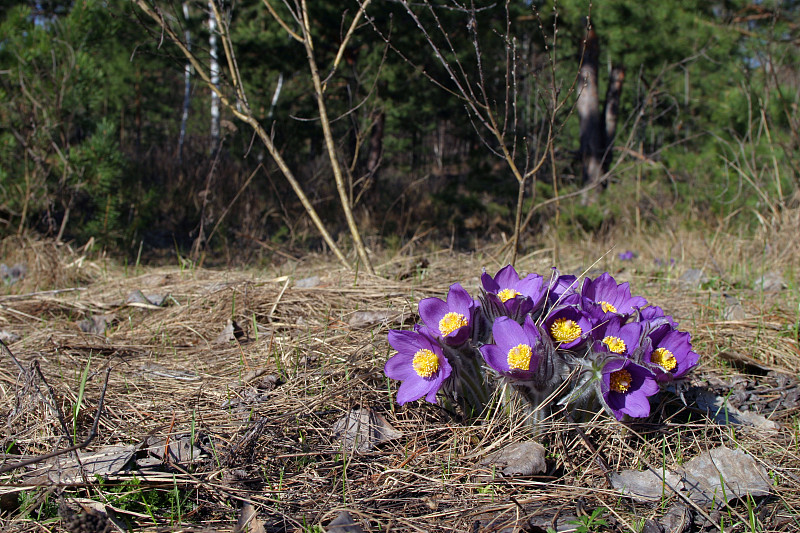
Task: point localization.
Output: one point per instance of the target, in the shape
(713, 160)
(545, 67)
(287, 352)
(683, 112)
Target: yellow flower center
(620, 380)
(663, 357)
(507, 294)
(565, 330)
(425, 363)
(451, 322)
(615, 344)
(519, 357)
(608, 307)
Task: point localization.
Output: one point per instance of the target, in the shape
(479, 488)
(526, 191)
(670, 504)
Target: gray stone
(344, 523)
(524, 458)
(693, 277)
(677, 519)
(646, 485)
(742, 476)
(307, 283)
(770, 282)
(733, 309)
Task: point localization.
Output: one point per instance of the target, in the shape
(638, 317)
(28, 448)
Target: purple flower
(517, 296)
(515, 352)
(567, 326)
(561, 285)
(616, 337)
(655, 317)
(611, 297)
(627, 255)
(419, 363)
(626, 386)
(671, 356)
(450, 320)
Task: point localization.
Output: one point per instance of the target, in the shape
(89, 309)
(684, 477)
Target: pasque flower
(652, 318)
(568, 326)
(626, 387)
(671, 356)
(613, 336)
(610, 296)
(513, 296)
(561, 285)
(549, 342)
(451, 320)
(419, 363)
(516, 351)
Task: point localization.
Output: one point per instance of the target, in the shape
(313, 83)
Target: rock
(742, 476)
(365, 319)
(770, 282)
(693, 278)
(677, 519)
(344, 523)
(307, 283)
(11, 275)
(733, 309)
(646, 485)
(232, 332)
(524, 458)
(722, 412)
(361, 429)
(97, 324)
(651, 526)
(8, 337)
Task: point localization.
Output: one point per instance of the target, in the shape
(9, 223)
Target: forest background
(107, 132)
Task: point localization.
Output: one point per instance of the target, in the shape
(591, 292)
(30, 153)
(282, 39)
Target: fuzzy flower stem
(469, 385)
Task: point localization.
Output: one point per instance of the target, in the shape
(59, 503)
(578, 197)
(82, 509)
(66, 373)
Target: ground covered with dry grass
(225, 391)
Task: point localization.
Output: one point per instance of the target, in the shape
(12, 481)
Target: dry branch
(241, 111)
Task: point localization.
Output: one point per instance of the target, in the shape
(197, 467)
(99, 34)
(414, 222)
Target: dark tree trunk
(611, 112)
(591, 122)
(597, 129)
(376, 145)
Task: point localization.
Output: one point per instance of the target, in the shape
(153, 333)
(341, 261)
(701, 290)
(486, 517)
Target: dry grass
(274, 447)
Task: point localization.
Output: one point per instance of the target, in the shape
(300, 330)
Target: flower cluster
(552, 341)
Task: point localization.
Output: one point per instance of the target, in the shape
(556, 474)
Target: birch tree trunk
(187, 85)
(213, 69)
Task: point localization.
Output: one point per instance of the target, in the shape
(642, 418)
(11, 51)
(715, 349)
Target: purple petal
(431, 397)
(412, 389)
(495, 357)
(507, 333)
(531, 331)
(489, 284)
(616, 402)
(632, 335)
(404, 341)
(636, 405)
(459, 300)
(561, 285)
(400, 366)
(531, 285)
(649, 387)
(507, 277)
(614, 365)
(431, 310)
(634, 302)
